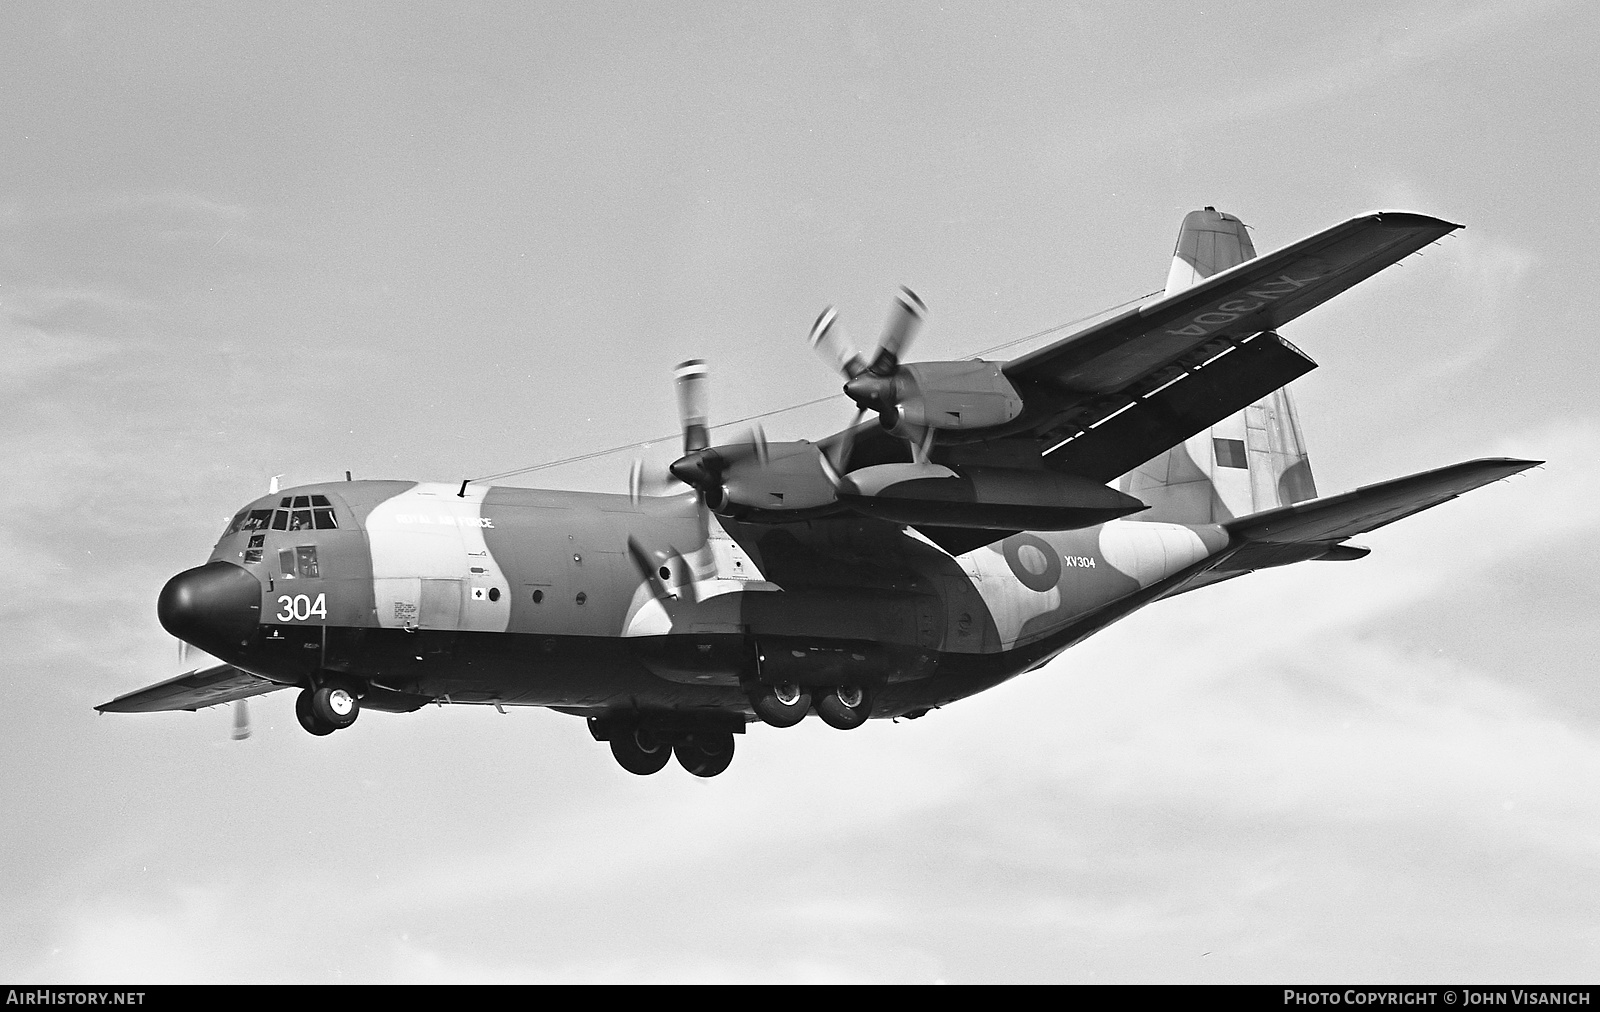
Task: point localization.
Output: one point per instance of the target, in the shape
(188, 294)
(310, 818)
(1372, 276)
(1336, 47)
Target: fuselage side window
(307, 557)
(286, 563)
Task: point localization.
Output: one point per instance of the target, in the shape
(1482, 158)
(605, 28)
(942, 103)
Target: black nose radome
(215, 607)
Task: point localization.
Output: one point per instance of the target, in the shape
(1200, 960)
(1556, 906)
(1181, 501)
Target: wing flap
(222, 683)
(1133, 428)
(1338, 517)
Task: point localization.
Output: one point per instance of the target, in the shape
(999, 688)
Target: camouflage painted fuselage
(532, 597)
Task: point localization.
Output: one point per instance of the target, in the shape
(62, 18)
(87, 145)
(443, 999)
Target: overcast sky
(446, 240)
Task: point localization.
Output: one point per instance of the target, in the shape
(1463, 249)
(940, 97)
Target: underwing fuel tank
(996, 498)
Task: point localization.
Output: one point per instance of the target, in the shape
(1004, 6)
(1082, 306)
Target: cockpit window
(300, 520)
(257, 520)
(233, 525)
(325, 520)
(280, 520)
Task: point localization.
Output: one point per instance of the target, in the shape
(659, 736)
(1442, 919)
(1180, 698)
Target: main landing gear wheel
(639, 752)
(326, 710)
(780, 705)
(705, 755)
(845, 707)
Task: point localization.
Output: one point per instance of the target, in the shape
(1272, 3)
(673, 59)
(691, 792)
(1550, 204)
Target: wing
(1109, 398)
(1106, 399)
(191, 690)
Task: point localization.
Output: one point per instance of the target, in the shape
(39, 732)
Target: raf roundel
(1033, 562)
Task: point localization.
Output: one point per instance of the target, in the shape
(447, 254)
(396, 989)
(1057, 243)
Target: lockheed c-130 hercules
(991, 516)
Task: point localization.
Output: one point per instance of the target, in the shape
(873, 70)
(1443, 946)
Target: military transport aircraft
(991, 516)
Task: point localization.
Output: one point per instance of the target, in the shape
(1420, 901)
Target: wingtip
(1395, 216)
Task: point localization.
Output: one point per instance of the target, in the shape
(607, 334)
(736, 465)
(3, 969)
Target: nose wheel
(326, 710)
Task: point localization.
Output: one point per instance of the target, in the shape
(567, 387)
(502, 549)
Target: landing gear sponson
(786, 704)
(643, 742)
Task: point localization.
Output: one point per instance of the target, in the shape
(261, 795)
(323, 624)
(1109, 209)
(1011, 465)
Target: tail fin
(1208, 242)
(1252, 460)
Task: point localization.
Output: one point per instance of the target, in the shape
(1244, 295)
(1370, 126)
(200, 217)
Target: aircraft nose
(215, 606)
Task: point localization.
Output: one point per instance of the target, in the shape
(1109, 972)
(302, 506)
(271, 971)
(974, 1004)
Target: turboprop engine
(914, 398)
(940, 395)
(745, 480)
(997, 498)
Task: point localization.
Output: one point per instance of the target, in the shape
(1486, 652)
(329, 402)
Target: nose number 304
(301, 607)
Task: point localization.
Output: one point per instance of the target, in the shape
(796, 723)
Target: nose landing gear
(327, 709)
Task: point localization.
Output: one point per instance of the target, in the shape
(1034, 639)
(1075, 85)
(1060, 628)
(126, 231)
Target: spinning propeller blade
(905, 319)
(833, 345)
(694, 397)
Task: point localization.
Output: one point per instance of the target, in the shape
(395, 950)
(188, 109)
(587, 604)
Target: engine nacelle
(939, 395)
(994, 498)
(788, 480)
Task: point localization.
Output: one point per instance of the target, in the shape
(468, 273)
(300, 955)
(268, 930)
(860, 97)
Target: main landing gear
(642, 746)
(785, 705)
(327, 709)
(640, 752)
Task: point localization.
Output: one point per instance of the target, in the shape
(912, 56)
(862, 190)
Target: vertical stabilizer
(1252, 460)
(1209, 242)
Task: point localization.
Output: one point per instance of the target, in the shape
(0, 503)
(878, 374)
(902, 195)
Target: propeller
(830, 341)
(241, 713)
(870, 382)
(693, 382)
(703, 467)
(241, 720)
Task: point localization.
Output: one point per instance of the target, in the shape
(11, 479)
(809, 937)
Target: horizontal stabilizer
(1338, 517)
(191, 690)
